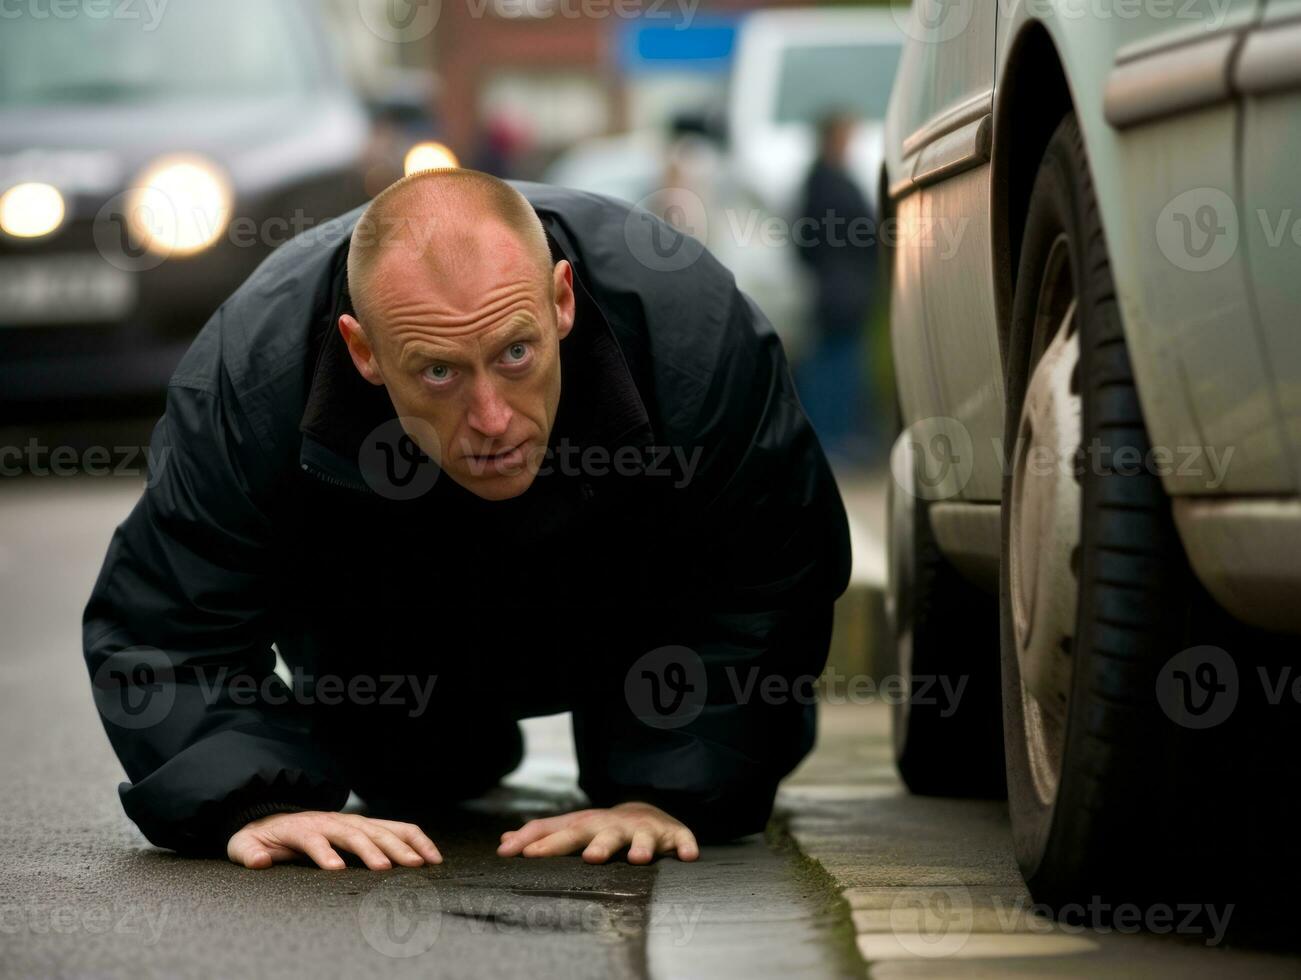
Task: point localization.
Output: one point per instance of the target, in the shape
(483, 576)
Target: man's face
(474, 356)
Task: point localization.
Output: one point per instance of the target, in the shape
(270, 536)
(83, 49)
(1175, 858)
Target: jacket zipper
(333, 481)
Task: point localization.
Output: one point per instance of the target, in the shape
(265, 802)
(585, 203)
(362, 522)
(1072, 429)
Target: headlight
(429, 156)
(31, 210)
(180, 206)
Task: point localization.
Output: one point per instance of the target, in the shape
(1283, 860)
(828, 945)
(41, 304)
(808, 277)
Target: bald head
(443, 224)
(459, 314)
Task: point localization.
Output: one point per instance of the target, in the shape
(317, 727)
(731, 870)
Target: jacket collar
(599, 402)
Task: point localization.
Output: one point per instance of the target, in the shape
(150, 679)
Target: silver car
(1094, 213)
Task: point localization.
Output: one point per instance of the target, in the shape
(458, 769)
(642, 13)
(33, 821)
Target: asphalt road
(85, 895)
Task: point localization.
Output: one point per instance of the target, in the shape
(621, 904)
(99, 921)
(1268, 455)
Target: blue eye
(438, 373)
(517, 352)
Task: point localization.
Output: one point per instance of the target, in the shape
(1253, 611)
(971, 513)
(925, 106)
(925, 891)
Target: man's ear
(563, 282)
(363, 357)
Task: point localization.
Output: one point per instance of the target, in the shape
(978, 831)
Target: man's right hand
(315, 833)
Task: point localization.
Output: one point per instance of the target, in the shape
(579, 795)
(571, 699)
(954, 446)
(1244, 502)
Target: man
(838, 245)
(472, 456)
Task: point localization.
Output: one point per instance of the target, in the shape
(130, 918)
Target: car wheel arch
(1032, 99)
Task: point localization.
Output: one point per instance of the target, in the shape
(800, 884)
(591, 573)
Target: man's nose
(490, 415)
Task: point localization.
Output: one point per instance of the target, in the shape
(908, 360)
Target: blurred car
(1100, 382)
(145, 169)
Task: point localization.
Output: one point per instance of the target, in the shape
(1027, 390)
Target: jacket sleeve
(177, 638)
(761, 555)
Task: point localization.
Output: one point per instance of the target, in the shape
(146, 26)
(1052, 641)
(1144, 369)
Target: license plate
(53, 289)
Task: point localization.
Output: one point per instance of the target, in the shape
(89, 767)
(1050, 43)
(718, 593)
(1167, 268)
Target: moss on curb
(825, 896)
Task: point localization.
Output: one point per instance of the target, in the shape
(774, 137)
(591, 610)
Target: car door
(944, 316)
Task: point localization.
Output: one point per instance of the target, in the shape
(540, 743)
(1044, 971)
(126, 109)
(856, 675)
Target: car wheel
(947, 729)
(1095, 587)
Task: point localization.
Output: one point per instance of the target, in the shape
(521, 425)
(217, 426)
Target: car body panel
(944, 228)
(1195, 173)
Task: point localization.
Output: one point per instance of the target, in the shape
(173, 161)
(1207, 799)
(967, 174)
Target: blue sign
(705, 45)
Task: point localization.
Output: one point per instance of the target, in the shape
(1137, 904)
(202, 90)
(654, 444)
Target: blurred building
(521, 80)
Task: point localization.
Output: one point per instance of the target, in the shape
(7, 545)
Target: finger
(244, 848)
(642, 849)
(316, 847)
(514, 841)
(416, 837)
(605, 844)
(360, 844)
(394, 846)
(686, 846)
(564, 841)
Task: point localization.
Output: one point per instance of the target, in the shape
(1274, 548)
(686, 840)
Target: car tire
(947, 723)
(1094, 764)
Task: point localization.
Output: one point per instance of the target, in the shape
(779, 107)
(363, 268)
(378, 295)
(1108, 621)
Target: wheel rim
(1045, 528)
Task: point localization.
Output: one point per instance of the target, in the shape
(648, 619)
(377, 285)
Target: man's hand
(284, 836)
(645, 830)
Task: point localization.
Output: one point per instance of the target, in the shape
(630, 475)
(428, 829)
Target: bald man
(483, 452)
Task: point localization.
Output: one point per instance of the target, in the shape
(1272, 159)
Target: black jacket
(262, 525)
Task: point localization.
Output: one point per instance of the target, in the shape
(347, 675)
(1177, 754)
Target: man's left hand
(644, 829)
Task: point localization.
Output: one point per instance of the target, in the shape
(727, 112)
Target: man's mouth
(506, 458)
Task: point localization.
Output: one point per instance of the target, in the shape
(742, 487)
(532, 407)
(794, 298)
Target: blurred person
(608, 502)
(835, 235)
(502, 141)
